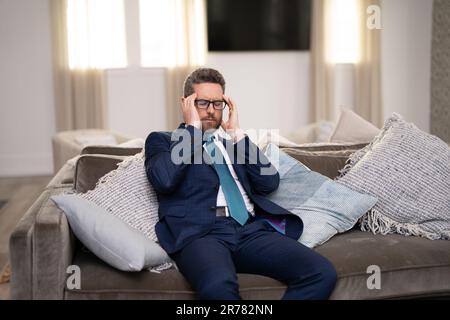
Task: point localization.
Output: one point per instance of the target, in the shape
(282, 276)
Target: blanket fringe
(375, 222)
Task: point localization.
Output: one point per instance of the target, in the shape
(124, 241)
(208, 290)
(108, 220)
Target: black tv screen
(253, 25)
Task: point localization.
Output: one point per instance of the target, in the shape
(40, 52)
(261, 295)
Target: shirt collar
(222, 134)
(219, 132)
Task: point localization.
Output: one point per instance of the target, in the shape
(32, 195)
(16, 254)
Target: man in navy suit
(214, 218)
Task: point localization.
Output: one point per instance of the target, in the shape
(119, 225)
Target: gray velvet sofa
(42, 247)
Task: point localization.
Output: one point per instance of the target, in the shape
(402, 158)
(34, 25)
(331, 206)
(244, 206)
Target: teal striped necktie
(233, 196)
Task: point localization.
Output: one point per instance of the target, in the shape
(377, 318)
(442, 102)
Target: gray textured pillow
(325, 206)
(127, 194)
(409, 171)
(108, 237)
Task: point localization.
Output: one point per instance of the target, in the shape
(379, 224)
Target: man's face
(210, 117)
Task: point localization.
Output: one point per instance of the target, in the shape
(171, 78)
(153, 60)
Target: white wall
(26, 92)
(406, 56)
(136, 101)
(270, 89)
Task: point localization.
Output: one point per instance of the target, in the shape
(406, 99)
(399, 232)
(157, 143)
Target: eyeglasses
(204, 104)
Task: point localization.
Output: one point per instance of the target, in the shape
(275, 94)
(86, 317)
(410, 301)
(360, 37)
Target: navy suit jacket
(187, 192)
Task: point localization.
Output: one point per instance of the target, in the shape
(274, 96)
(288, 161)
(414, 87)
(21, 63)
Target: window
(344, 31)
(96, 34)
(172, 32)
(157, 31)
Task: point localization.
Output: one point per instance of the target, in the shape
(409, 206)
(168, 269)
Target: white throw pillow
(108, 237)
(351, 127)
(275, 138)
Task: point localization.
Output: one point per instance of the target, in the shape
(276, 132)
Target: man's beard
(211, 125)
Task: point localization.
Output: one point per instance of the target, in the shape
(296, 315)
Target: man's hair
(202, 75)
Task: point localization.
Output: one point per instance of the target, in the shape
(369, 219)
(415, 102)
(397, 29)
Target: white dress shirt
(221, 201)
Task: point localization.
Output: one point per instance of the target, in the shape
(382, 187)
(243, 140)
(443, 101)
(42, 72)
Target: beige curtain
(191, 48)
(322, 72)
(367, 71)
(368, 95)
(79, 94)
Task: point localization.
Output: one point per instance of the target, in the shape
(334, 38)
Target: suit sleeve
(166, 159)
(262, 175)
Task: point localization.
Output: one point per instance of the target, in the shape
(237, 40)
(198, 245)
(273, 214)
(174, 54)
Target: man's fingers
(190, 100)
(229, 102)
(193, 97)
(184, 102)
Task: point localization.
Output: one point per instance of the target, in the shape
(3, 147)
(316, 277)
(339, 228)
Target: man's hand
(190, 113)
(232, 125)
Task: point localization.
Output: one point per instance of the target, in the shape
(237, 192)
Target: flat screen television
(254, 25)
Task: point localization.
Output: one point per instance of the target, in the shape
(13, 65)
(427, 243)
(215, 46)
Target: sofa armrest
(53, 247)
(21, 251)
(63, 178)
(63, 150)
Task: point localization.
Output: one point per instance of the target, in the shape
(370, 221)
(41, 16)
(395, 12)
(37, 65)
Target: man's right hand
(190, 113)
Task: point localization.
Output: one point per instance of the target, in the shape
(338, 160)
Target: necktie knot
(209, 138)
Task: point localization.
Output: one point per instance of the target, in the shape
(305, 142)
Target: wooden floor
(20, 192)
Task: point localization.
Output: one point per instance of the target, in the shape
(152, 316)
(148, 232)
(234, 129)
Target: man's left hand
(232, 125)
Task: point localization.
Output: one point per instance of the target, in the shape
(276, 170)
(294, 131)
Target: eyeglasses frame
(225, 104)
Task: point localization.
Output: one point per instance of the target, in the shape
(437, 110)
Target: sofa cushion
(331, 146)
(410, 267)
(325, 158)
(90, 168)
(111, 150)
(100, 281)
(327, 163)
